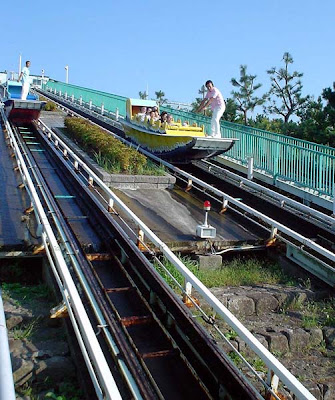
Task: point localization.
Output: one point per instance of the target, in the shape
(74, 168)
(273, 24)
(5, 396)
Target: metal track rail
(119, 299)
(101, 376)
(111, 201)
(311, 215)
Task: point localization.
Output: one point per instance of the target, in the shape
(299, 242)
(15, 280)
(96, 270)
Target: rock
(278, 342)
(329, 392)
(297, 339)
(213, 261)
(241, 305)
(266, 303)
(314, 389)
(22, 371)
(315, 336)
(13, 320)
(329, 336)
(19, 348)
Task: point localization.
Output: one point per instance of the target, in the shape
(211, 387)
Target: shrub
(96, 141)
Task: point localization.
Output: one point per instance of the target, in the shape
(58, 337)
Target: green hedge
(94, 139)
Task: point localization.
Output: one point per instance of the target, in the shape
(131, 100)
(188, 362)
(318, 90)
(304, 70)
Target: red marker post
(205, 230)
(207, 207)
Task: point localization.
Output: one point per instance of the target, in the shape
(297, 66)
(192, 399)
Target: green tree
(329, 95)
(143, 95)
(244, 95)
(285, 93)
(160, 97)
(230, 113)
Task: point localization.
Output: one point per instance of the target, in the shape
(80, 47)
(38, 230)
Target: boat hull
(23, 111)
(176, 148)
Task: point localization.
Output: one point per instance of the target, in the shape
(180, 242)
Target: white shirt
(25, 76)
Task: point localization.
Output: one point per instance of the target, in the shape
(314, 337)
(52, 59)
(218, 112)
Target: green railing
(304, 164)
(110, 101)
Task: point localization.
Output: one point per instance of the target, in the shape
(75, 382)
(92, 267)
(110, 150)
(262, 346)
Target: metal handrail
(272, 363)
(7, 391)
(68, 288)
(305, 164)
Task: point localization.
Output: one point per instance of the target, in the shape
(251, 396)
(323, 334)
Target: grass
(240, 271)
(314, 314)
(25, 331)
(65, 391)
(21, 293)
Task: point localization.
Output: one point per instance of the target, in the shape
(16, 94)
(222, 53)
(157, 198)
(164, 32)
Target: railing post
(117, 114)
(65, 95)
(90, 105)
(102, 108)
(60, 93)
(72, 98)
(333, 214)
(251, 168)
(80, 100)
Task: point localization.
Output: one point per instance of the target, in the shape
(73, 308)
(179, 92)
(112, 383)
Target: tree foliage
(244, 95)
(285, 92)
(143, 95)
(160, 97)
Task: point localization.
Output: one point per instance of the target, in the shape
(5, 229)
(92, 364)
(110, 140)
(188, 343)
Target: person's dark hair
(209, 81)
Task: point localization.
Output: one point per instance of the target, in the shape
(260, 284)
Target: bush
(50, 106)
(95, 140)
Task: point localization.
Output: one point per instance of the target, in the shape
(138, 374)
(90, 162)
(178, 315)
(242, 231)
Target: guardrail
(102, 378)
(7, 391)
(275, 368)
(302, 163)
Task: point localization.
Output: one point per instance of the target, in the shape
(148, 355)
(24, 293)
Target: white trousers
(215, 122)
(25, 91)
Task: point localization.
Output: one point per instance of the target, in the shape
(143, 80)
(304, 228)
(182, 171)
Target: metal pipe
(7, 391)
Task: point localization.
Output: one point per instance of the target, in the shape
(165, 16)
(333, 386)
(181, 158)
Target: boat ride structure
(17, 110)
(176, 142)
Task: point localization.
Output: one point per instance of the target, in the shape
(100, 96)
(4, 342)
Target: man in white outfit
(24, 76)
(215, 99)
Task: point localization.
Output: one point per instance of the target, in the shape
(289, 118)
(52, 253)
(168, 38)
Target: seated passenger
(141, 115)
(152, 117)
(164, 116)
(169, 120)
(157, 116)
(148, 112)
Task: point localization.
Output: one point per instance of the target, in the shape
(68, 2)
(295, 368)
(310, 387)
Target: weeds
(238, 272)
(25, 331)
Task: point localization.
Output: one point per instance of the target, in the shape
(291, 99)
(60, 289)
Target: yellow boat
(175, 142)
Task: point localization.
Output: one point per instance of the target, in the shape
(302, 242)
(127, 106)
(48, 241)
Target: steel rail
(286, 377)
(286, 203)
(106, 379)
(72, 254)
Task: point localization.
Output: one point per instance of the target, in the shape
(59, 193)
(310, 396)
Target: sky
(123, 47)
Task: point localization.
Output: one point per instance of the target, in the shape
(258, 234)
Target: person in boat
(169, 120)
(157, 116)
(24, 76)
(148, 112)
(141, 115)
(152, 116)
(214, 99)
(164, 116)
